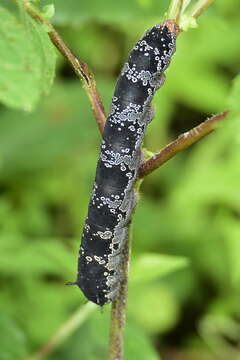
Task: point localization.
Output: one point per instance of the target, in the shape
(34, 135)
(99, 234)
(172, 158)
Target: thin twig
(65, 331)
(199, 7)
(80, 68)
(118, 315)
(175, 9)
(181, 143)
(185, 5)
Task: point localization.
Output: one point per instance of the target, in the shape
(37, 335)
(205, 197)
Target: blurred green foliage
(185, 276)
(25, 75)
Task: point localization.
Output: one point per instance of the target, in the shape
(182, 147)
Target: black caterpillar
(113, 197)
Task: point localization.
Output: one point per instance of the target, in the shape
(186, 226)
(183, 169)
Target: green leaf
(153, 307)
(153, 266)
(11, 6)
(48, 11)
(138, 345)
(27, 61)
(47, 256)
(221, 332)
(12, 340)
(53, 131)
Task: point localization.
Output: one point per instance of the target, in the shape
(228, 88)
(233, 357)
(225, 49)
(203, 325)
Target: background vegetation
(185, 275)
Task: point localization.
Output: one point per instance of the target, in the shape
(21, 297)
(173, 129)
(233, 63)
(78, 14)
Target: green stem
(174, 10)
(185, 5)
(65, 331)
(199, 7)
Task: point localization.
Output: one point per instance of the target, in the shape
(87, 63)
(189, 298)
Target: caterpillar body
(113, 198)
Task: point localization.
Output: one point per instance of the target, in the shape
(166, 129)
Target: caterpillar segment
(113, 199)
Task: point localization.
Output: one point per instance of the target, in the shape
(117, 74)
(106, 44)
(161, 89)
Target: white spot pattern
(113, 197)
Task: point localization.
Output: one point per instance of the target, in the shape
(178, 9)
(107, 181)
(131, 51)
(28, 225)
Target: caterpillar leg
(150, 113)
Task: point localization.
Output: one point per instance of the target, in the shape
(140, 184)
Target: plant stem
(175, 9)
(65, 331)
(81, 69)
(118, 315)
(185, 5)
(181, 143)
(199, 7)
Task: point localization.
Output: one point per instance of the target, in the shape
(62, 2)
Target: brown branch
(118, 311)
(80, 68)
(181, 143)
